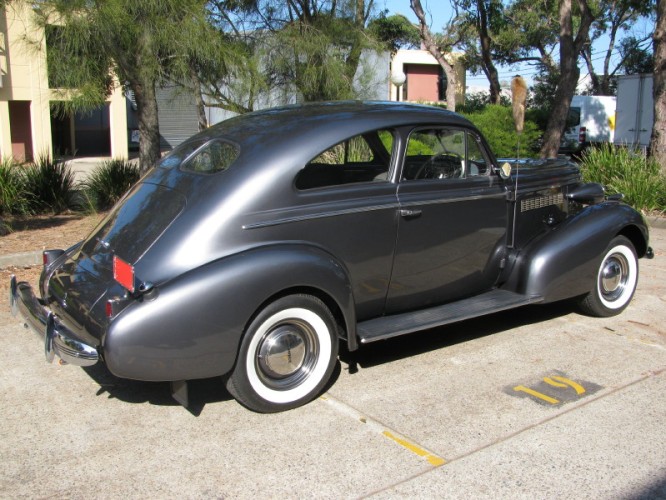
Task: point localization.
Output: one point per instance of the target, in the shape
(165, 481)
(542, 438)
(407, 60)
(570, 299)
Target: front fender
(193, 326)
(564, 263)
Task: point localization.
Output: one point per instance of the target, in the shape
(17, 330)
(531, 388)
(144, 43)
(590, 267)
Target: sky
(440, 12)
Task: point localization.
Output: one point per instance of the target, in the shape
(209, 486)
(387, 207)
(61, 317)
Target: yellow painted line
(558, 381)
(433, 459)
(536, 394)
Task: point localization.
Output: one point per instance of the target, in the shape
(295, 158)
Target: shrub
(50, 185)
(496, 124)
(109, 182)
(621, 170)
(14, 198)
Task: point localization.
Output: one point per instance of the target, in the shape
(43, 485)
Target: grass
(109, 182)
(14, 197)
(621, 170)
(50, 185)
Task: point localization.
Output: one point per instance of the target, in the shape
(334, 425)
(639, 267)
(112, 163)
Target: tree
(658, 139)
(394, 32)
(612, 17)
(476, 21)
(142, 43)
(438, 47)
(314, 45)
(571, 43)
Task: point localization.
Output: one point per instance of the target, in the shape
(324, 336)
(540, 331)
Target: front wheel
(286, 356)
(616, 280)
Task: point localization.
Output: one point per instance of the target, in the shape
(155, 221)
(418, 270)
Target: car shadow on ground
(213, 390)
(201, 392)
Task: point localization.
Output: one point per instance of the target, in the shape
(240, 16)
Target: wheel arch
(565, 261)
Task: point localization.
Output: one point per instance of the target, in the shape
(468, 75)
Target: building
(28, 126)
(424, 78)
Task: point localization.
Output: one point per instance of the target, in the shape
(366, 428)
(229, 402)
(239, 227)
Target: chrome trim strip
(319, 215)
(336, 213)
(58, 339)
(454, 200)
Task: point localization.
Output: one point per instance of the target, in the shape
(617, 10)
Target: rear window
(202, 157)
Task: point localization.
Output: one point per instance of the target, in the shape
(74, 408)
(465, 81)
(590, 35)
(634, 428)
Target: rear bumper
(58, 339)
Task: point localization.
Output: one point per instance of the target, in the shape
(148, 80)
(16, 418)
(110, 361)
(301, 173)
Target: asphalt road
(534, 403)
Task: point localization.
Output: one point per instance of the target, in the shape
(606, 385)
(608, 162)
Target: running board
(480, 305)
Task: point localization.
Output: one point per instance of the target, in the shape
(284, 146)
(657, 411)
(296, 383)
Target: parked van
(591, 120)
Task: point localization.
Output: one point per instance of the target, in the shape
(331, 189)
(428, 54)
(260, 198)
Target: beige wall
(24, 78)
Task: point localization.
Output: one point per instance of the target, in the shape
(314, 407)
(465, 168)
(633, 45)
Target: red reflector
(123, 273)
(109, 309)
(45, 259)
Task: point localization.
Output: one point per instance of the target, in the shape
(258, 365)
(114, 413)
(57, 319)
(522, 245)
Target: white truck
(591, 120)
(635, 111)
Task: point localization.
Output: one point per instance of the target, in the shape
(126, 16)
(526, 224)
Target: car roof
(306, 129)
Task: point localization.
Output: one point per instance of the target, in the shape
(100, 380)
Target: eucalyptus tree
(614, 18)
(141, 43)
(479, 22)
(314, 46)
(439, 47)
(572, 39)
(658, 139)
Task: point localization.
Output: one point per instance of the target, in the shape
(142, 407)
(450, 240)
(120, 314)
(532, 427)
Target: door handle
(409, 213)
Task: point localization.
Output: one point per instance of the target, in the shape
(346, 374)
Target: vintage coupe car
(254, 248)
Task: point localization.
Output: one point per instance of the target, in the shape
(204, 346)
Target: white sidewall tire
(632, 278)
(318, 372)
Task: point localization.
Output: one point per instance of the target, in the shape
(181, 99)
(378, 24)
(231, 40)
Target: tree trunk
(570, 47)
(658, 139)
(149, 127)
(486, 53)
(431, 46)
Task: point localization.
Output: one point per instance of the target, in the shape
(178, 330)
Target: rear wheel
(616, 280)
(286, 356)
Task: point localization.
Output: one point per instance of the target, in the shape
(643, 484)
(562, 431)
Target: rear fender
(564, 262)
(193, 325)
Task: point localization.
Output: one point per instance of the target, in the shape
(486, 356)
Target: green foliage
(621, 170)
(14, 199)
(496, 123)
(109, 182)
(477, 101)
(394, 32)
(50, 186)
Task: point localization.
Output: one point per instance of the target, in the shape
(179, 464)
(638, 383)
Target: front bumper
(58, 339)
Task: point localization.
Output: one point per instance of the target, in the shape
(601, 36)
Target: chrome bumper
(58, 339)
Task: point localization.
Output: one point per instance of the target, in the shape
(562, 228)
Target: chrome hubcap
(613, 277)
(286, 354)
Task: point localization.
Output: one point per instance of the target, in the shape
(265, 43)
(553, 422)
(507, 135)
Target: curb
(23, 259)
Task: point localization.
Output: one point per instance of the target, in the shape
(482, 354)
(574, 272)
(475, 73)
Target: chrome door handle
(409, 213)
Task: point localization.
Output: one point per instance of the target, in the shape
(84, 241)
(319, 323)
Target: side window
(362, 158)
(435, 154)
(477, 164)
(215, 156)
(443, 154)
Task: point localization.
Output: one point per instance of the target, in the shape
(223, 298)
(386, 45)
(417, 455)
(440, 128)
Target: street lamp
(398, 79)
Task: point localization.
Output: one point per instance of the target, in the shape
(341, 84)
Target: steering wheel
(441, 166)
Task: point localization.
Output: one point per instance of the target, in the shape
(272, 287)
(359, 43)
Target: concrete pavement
(535, 403)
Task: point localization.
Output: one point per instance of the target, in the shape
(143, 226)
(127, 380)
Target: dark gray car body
(210, 250)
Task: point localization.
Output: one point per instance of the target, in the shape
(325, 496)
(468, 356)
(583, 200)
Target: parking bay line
(375, 426)
(439, 461)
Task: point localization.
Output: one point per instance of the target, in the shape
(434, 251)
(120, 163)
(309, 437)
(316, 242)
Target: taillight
(123, 273)
(582, 135)
(49, 256)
